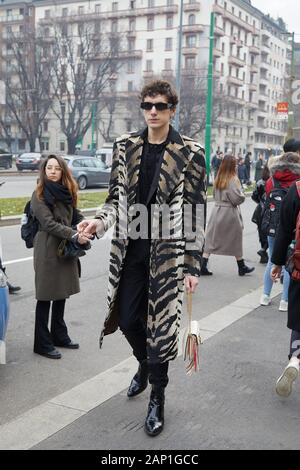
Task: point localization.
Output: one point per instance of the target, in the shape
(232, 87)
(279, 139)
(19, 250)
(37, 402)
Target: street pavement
(80, 401)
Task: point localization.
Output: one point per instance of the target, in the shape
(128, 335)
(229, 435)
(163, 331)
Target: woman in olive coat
(53, 203)
(224, 233)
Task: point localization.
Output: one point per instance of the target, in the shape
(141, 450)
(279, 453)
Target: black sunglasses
(146, 105)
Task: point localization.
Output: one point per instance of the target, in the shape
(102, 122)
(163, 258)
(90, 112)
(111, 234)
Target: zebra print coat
(179, 180)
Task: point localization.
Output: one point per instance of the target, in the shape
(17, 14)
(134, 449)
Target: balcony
(264, 65)
(192, 7)
(238, 21)
(193, 28)
(236, 61)
(236, 41)
(192, 72)
(253, 87)
(218, 9)
(190, 50)
(263, 97)
(235, 81)
(252, 105)
(12, 19)
(254, 50)
(217, 52)
(254, 68)
(264, 81)
(109, 15)
(148, 74)
(218, 31)
(134, 54)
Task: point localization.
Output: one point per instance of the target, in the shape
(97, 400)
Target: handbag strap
(189, 301)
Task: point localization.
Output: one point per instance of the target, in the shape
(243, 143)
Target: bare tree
(26, 76)
(83, 68)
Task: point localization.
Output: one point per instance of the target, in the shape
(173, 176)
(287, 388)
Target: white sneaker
(283, 306)
(285, 382)
(265, 300)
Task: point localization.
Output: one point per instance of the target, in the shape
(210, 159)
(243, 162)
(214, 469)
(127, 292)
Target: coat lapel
(133, 153)
(175, 158)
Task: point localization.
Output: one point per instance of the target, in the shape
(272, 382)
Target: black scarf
(56, 192)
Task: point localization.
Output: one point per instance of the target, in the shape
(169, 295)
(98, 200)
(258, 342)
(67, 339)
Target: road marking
(41, 422)
(20, 260)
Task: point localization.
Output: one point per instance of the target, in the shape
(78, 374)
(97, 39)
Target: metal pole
(178, 71)
(93, 126)
(209, 99)
(290, 132)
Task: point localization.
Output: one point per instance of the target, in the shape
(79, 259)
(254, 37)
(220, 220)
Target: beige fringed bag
(191, 340)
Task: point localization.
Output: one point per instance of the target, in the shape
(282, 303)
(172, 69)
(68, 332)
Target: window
(169, 22)
(130, 86)
(170, 3)
(191, 41)
(169, 44)
(150, 23)
(45, 126)
(128, 126)
(130, 66)
(168, 64)
(47, 13)
(131, 25)
(45, 145)
(131, 44)
(149, 45)
(132, 4)
(114, 6)
(64, 12)
(149, 65)
(98, 8)
(190, 62)
(81, 10)
(151, 3)
(192, 20)
(62, 146)
(114, 26)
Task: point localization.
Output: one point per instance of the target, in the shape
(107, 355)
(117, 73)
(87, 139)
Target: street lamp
(178, 69)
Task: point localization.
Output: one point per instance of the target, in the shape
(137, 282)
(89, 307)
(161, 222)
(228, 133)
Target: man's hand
(89, 227)
(191, 283)
(276, 273)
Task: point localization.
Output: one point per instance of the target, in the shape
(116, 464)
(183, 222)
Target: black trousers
(133, 307)
(44, 340)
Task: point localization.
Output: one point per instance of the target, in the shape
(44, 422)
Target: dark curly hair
(160, 87)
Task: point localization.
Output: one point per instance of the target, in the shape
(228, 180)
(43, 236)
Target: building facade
(251, 64)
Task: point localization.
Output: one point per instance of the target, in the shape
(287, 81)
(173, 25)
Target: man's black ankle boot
(140, 380)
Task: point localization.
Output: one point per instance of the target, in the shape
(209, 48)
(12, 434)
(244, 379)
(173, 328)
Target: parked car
(5, 159)
(4, 315)
(88, 171)
(28, 161)
(85, 153)
(105, 154)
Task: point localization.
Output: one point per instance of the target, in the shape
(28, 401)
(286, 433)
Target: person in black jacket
(259, 196)
(288, 218)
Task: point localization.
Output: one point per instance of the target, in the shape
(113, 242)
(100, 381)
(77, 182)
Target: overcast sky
(287, 9)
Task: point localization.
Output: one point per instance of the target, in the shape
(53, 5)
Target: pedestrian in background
(241, 171)
(154, 167)
(284, 171)
(54, 204)
(259, 196)
(248, 162)
(224, 233)
(11, 289)
(285, 234)
(259, 166)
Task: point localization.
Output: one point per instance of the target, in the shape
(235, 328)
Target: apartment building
(251, 62)
(296, 97)
(15, 18)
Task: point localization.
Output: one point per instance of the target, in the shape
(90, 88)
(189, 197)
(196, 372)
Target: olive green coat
(55, 278)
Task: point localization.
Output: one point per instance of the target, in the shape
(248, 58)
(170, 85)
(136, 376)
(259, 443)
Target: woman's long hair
(67, 179)
(226, 173)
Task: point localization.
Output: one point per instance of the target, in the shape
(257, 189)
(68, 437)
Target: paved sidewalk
(230, 404)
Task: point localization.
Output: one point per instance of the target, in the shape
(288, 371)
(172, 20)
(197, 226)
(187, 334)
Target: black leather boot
(12, 289)
(154, 423)
(204, 271)
(140, 380)
(243, 269)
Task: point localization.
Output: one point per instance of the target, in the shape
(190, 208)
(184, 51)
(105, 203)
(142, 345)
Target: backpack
(29, 226)
(293, 255)
(271, 213)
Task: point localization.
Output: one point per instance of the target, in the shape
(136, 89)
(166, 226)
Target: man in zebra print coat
(157, 201)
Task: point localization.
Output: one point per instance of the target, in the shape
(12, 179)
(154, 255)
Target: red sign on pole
(283, 109)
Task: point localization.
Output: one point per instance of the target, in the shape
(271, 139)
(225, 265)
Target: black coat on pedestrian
(290, 208)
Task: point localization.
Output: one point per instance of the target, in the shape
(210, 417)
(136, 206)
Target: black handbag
(68, 249)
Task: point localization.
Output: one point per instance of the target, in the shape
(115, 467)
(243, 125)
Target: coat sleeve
(109, 211)
(47, 222)
(235, 195)
(194, 199)
(287, 225)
